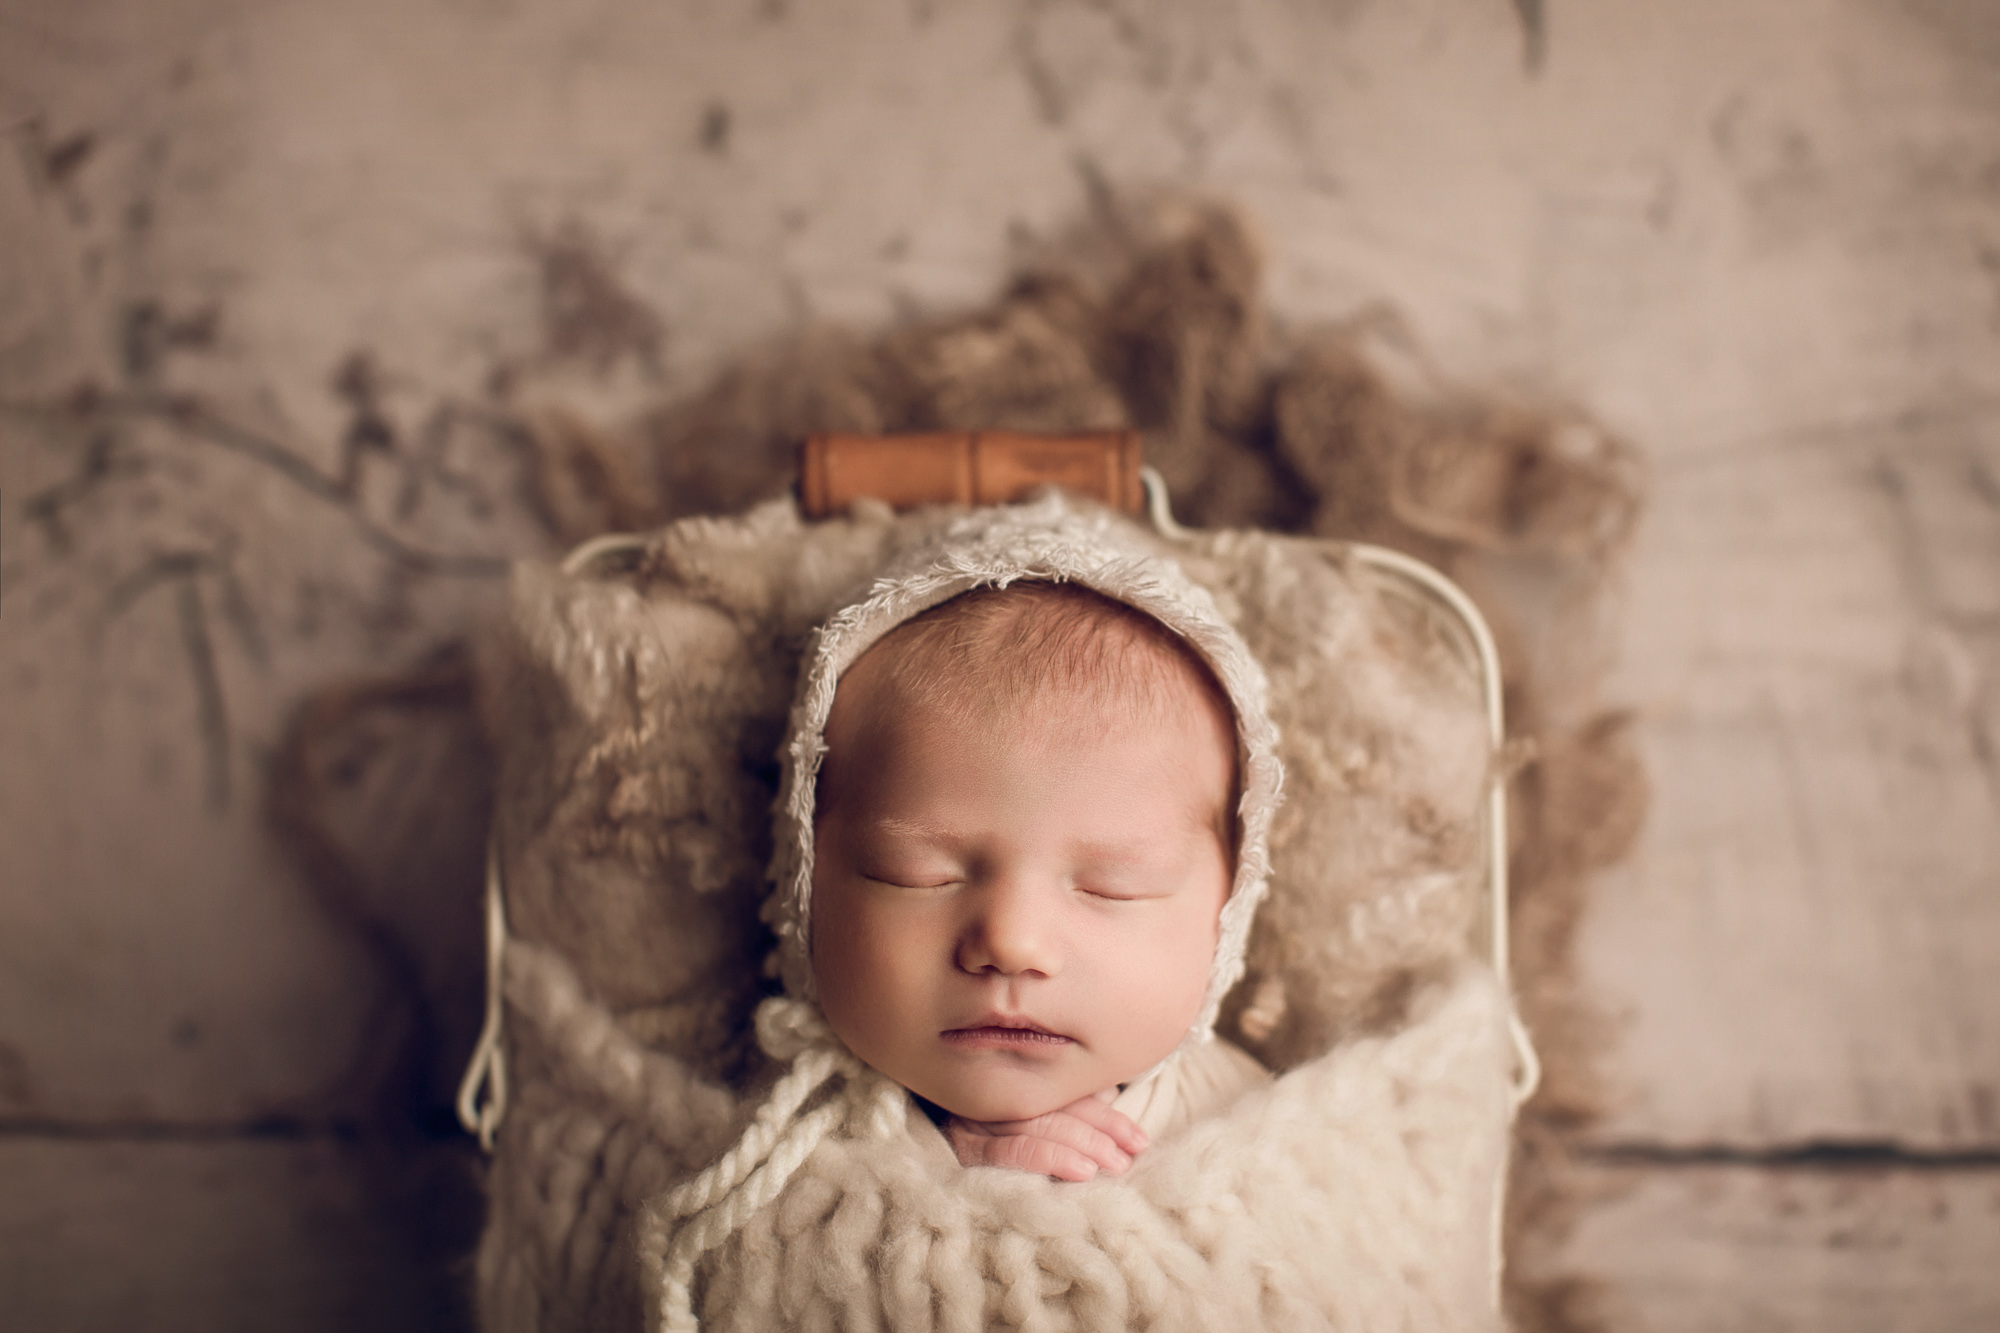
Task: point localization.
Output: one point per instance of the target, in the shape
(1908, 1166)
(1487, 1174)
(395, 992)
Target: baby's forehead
(946, 770)
(886, 750)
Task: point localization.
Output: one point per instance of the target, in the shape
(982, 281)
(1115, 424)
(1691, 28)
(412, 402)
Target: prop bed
(638, 697)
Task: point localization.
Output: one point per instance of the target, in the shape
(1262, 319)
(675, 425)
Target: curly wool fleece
(1356, 1191)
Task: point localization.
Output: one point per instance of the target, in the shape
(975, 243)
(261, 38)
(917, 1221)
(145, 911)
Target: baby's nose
(1012, 934)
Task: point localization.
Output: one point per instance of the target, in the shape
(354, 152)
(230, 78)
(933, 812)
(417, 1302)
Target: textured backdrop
(281, 282)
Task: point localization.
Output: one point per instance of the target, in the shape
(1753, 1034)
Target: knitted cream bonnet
(1045, 540)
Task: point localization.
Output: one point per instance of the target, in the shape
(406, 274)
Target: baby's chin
(1001, 1105)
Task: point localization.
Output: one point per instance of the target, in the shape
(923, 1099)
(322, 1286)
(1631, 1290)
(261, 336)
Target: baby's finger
(1073, 1132)
(1098, 1114)
(1023, 1152)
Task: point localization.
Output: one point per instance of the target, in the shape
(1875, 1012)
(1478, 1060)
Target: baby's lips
(1008, 1022)
(1012, 1036)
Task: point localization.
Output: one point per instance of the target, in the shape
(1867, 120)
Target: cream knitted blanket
(1358, 1190)
(1355, 1192)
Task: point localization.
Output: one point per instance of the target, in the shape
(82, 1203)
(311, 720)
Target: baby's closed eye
(909, 877)
(1117, 892)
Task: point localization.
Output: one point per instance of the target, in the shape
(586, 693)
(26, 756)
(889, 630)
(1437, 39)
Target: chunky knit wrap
(650, 1168)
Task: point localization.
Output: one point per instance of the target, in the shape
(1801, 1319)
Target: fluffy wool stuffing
(637, 714)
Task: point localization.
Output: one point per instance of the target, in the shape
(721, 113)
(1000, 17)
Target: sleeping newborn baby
(1024, 834)
(1029, 778)
(1029, 783)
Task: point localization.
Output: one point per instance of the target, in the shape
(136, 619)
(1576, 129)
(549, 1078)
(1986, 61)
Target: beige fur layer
(637, 717)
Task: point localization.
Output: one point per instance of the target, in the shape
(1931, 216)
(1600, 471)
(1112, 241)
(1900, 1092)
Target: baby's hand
(1073, 1143)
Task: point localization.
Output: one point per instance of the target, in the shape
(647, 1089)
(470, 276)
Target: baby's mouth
(1001, 1031)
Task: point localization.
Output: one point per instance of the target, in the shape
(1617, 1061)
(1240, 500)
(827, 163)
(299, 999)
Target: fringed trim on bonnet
(1044, 540)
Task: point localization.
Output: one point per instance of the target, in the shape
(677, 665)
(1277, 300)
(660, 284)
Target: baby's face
(1011, 915)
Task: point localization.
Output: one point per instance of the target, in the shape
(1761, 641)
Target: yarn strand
(486, 1072)
(698, 1215)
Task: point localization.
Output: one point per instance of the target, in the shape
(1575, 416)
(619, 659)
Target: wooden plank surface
(1807, 942)
(1747, 1249)
(225, 1237)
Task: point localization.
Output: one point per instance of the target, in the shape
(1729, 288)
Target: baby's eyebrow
(1118, 853)
(915, 829)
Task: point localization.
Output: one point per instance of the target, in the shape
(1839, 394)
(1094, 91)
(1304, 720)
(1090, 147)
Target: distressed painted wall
(1761, 237)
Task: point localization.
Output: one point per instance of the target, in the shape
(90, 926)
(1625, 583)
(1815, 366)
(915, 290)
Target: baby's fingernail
(1122, 1164)
(1139, 1137)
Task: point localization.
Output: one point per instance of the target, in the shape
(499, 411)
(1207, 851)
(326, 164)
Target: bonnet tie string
(699, 1214)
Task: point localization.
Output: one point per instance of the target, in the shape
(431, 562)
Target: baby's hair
(1035, 642)
(1034, 637)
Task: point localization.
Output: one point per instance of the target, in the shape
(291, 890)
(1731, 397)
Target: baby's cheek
(834, 942)
(1182, 973)
(859, 971)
